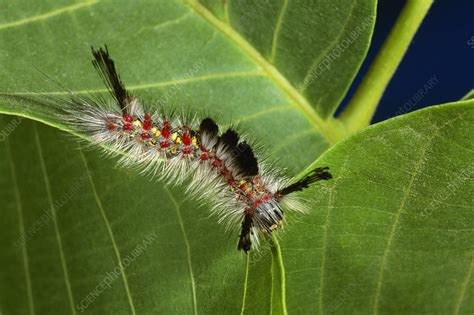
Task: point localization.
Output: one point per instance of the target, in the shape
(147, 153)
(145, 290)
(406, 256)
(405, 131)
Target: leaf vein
(262, 113)
(330, 207)
(303, 86)
(462, 292)
(55, 219)
(21, 224)
(188, 247)
(276, 33)
(417, 170)
(48, 15)
(175, 21)
(326, 129)
(109, 230)
(208, 77)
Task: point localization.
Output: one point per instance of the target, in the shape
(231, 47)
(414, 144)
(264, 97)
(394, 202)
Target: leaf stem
(363, 104)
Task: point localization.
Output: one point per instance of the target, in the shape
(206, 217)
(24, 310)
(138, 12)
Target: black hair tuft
(229, 138)
(209, 126)
(106, 68)
(320, 173)
(246, 160)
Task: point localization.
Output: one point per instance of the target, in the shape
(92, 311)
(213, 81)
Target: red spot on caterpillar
(110, 125)
(164, 144)
(146, 125)
(249, 211)
(257, 203)
(224, 172)
(145, 135)
(187, 150)
(216, 163)
(204, 156)
(128, 127)
(186, 139)
(147, 116)
(127, 118)
(165, 131)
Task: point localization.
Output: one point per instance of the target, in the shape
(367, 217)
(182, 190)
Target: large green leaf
(394, 231)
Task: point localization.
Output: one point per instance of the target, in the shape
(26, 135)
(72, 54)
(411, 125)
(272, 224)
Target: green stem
(362, 106)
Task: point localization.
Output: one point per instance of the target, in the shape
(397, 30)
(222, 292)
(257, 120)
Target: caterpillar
(177, 148)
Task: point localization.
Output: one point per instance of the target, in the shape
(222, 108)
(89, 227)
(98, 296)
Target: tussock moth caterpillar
(214, 165)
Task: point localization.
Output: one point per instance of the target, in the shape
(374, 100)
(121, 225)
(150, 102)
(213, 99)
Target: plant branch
(363, 104)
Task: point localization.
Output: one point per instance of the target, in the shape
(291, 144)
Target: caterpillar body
(213, 165)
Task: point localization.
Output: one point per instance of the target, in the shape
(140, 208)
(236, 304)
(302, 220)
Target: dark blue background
(440, 48)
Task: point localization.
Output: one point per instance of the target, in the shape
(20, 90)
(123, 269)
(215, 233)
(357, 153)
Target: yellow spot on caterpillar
(174, 136)
(178, 140)
(273, 227)
(194, 141)
(137, 123)
(157, 133)
(154, 130)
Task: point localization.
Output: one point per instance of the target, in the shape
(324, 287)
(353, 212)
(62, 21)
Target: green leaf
(394, 231)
